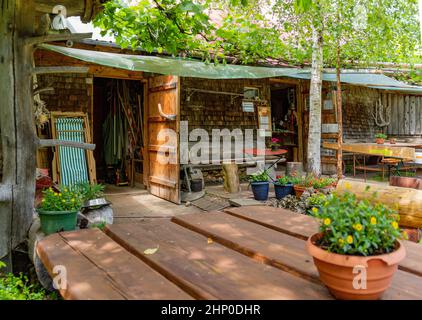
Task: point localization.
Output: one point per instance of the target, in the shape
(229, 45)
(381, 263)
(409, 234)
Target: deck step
(98, 268)
(302, 227)
(206, 269)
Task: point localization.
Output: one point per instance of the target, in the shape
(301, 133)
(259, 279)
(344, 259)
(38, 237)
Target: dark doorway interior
(284, 117)
(118, 131)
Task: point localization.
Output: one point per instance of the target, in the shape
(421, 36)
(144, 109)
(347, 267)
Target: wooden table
(242, 253)
(404, 152)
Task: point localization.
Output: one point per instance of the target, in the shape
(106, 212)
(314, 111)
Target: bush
(354, 227)
(19, 288)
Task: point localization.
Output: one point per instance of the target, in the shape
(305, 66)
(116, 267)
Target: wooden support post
(231, 177)
(16, 122)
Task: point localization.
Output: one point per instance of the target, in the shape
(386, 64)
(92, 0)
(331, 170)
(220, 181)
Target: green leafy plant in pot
(380, 138)
(357, 250)
(260, 185)
(283, 187)
(59, 210)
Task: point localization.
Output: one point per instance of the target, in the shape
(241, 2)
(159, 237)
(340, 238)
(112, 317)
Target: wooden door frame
(300, 103)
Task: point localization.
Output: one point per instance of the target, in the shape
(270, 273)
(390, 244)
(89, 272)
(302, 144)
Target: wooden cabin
(277, 104)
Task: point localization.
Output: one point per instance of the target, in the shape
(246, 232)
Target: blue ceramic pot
(260, 190)
(283, 190)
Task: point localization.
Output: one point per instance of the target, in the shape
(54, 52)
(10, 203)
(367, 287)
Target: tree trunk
(315, 104)
(407, 201)
(16, 122)
(339, 119)
(231, 177)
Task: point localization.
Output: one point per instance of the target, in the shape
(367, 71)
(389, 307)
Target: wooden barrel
(407, 201)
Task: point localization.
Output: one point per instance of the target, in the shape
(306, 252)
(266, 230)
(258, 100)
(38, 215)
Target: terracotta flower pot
(379, 140)
(393, 141)
(336, 271)
(406, 182)
(299, 190)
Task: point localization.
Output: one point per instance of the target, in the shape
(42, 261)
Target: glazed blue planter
(260, 190)
(283, 190)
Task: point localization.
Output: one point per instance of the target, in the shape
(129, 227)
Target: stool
(391, 163)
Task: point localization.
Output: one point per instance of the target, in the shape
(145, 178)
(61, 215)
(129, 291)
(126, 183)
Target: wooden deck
(242, 253)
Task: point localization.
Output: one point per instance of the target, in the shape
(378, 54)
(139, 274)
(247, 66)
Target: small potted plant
(274, 144)
(260, 185)
(380, 138)
(283, 187)
(315, 202)
(59, 209)
(300, 184)
(357, 250)
(393, 140)
(323, 183)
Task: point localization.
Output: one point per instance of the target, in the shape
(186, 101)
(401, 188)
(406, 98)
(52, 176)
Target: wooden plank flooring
(245, 253)
(98, 268)
(302, 227)
(277, 249)
(209, 270)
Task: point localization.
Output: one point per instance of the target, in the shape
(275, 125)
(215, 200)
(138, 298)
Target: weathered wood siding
(406, 114)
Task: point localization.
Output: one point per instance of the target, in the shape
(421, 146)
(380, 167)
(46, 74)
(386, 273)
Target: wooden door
(162, 113)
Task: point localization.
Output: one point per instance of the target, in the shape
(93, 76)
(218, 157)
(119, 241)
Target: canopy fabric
(172, 66)
(376, 81)
(196, 69)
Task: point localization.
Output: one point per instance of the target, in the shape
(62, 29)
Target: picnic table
(255, 252)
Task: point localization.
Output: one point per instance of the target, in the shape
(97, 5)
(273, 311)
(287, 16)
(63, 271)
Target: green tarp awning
(196, 69)
(376, 81)
(172, 66)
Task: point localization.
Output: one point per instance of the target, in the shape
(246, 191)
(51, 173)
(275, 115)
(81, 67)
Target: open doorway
(118, 131)
(284, 118)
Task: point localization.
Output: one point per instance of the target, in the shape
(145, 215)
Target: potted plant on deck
(300, 184)
(59, 210)
(380, 138)
(260, 185)
(357, 250)
(283, 187)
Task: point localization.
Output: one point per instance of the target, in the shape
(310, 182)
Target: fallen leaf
(151, 250)
(210, 241)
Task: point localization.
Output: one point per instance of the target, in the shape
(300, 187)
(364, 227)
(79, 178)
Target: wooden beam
(52, 70)
(42, 143)
(57, 37)
(407, 201)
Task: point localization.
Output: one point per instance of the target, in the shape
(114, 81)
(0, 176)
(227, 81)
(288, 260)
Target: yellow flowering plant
(63, 199)
(357, 227)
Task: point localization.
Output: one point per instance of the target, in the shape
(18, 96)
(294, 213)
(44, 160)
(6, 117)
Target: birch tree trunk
(315, 105)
